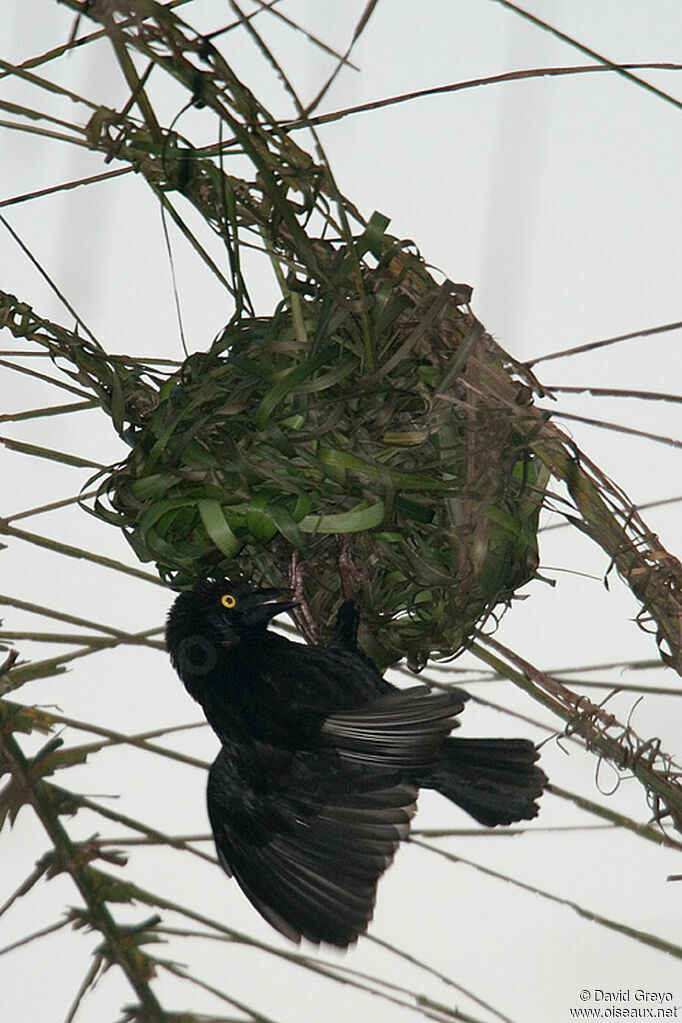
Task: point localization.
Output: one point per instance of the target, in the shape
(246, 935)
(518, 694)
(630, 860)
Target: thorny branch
(601, 731)
(121, 945)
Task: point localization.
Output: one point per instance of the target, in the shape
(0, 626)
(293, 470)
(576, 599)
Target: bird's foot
(301, 613)
(348, 570)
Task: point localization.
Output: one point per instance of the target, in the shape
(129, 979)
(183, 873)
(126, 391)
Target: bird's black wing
(307, 836)
(308, 832)
(402, 730)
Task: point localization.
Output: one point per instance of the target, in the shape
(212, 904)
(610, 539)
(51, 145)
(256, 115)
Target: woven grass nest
(377, 418)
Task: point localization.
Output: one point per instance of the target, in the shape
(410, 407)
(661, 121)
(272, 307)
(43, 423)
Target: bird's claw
(348, 570)
(301, 612)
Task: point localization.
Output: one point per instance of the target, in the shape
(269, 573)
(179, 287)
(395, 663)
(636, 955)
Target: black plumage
(322, 759)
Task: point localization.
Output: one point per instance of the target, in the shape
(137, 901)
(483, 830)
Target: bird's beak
(270, 603)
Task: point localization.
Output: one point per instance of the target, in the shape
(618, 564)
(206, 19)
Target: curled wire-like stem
(601, 731)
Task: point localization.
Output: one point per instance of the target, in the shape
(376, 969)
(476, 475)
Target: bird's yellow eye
(227, 600)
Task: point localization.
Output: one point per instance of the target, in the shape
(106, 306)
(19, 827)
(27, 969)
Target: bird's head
(215, 616)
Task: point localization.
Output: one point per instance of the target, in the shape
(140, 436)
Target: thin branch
(129, 957)
(63, 457)
(625, 750)
(507, 832)
(70, 638)
(29, 672)
(652, 834)
(157, 837)
(407, 957)
(616, 392)
(87, 982)
(62, 616)
(639, 508)
(591, 346)
(118, 739)
(360, 26)
(473, 83)
(330, 971)
(39, 115)
(43, 273)
(76, 552)
(18, 71)
(52, 410)
(44, 376)
(50, 929)
(65, 186)
(619, 428)
(56, 136)
(644, 937)
(177, 839)
(269, 8)
(619, 68)
(623, 687)
(25, 887)
(184, 974)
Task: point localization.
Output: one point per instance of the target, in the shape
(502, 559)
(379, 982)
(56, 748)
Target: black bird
(322, 759)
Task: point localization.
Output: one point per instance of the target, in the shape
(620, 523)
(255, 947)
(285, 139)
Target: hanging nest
(380, 418)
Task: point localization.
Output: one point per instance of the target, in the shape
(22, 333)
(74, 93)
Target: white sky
(559, 201)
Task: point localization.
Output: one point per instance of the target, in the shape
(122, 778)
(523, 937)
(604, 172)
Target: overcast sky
(558, 200)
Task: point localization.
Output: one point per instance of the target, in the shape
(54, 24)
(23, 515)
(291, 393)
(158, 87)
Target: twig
(630, 932)
(625, 750)
(135, 964)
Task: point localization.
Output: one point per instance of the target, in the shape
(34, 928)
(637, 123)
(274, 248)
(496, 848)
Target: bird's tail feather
(495, 780)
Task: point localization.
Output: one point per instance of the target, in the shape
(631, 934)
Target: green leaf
(294, 422)
(159, 509)
(372, 237)
(217, 527)
(413, 510)
(54, 456)
(118, 408)
(503, 519)
(150, 487)
(16, 718)
(286, 524)
(354, 521)
(405, 438)
(258, 521)
(325, 380)
(286, 384)
(302, 506)
(401, 480)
